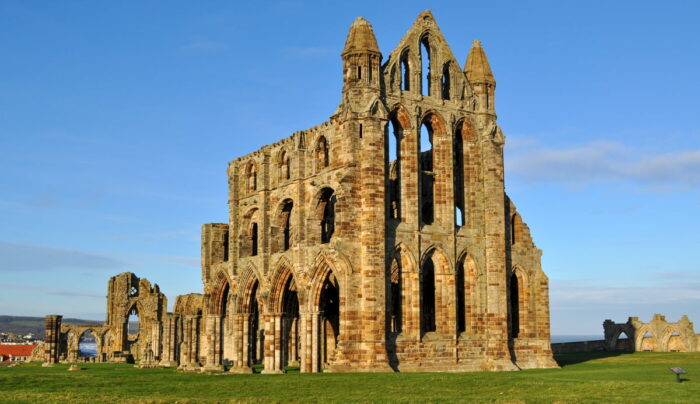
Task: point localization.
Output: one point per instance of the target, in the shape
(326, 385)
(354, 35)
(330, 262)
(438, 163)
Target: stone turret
(480, 76)
(361, 60)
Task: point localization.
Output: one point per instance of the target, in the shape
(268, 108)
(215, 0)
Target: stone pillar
(52, 336)
(169, 346)
(213, 335)
(305, 354)
(241, 362)
(272, 344)
(315, 343)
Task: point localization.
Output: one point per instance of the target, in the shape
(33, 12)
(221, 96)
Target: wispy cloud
(605, 162)
(204, 46)
(25, 257)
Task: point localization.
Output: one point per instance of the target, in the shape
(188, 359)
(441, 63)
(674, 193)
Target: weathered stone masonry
(379, 240)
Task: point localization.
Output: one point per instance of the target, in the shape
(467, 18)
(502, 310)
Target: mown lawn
(584, 378)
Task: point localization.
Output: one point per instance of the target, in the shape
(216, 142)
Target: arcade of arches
(380, 240)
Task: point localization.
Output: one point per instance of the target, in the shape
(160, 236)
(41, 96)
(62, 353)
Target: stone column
(52, 336)
(315, 345)
(272, 343)
(213, 327)
(241, 362)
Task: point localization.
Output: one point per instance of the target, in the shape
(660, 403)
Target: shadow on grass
(572, 358)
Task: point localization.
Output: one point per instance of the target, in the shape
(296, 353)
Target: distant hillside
(35, 325)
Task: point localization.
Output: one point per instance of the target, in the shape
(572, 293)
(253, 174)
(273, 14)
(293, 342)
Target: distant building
(16, 353)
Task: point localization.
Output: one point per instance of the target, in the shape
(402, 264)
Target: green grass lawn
(584, 378)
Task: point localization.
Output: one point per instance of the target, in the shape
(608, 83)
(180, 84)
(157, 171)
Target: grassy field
(584, 378)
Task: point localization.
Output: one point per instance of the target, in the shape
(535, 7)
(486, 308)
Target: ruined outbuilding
(379, 240)
(657, 335)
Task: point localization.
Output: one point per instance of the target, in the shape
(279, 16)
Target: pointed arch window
(458, 175)
(427, 295)
(515, 309)
(425, 65)
(395, 291)
(254, 239)
(405, 72)
(326, 208)
(445, 81)
(461, 298)
(427, 180)
(321, 154)
(394, 134)
(286, 220)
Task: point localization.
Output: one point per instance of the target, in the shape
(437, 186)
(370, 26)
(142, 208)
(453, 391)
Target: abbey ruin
(380, 240)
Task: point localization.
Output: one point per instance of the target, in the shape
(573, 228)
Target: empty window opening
(405, 72)
(425, 66)
(427, 179)
(458, 175)
(514, 306)
(87, 345)
(287, 224)
(461, 308)
(360, 131)
(395, 294)
(132, 324)
(329, 305)
(322, 159)
(327, 209)
(254, 239)
(133, 291)
(427, 296)
(226, 247)
(359, 72)
(648, 335)
(369, 71)
(290, 324)
(445, 82)
(393, 160)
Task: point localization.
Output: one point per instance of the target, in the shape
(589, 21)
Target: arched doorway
(290, 325)
(132, 330)
(329, 316)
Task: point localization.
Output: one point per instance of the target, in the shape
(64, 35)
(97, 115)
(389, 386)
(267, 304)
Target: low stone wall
(580, 346)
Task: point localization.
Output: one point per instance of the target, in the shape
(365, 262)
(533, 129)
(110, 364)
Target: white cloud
(604, 162)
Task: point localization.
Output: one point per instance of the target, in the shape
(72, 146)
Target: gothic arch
(220, 286)
(402, 116)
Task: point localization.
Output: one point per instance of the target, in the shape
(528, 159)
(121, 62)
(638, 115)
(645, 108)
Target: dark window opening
(458, 175)
(425, 66)
(427, 296)
(405, 73)
(360, 131)
(395, 294)
(226, 247)
(512, 229)
(445, 82)
(514, 306)
(393, 135)
(359, 72)
(461, 298)
(427, 179)
(254, 355)
(287, 223)
(327, 207)
(254, 239)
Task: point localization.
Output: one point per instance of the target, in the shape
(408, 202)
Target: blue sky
(117, 120)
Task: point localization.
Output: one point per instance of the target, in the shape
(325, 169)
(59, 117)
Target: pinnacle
(477, 66)
(361, 38)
